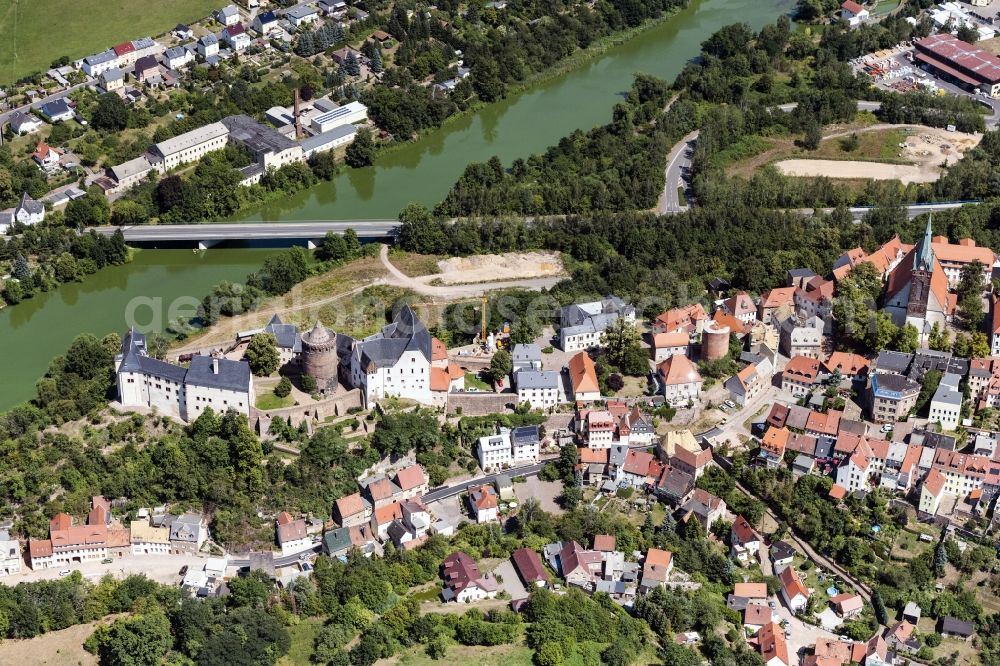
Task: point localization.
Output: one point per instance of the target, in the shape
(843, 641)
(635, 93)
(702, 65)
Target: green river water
(34, 331)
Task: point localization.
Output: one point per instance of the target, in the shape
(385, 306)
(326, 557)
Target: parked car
(887, 427)
(107, 560)
(65, 572)
(730, 404)
(184, 570)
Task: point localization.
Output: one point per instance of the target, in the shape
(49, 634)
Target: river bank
(421, 171)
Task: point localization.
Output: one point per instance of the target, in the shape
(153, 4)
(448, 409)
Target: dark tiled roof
(232, 375)
(405, 333)
(286, 335)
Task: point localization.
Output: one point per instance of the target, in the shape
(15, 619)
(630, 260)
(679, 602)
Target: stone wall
(310, 412)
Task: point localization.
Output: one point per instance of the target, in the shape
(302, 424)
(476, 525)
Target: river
(32, 332)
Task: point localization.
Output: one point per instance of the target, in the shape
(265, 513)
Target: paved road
(442, 493)
(39, 102)
(420, 286)
(912, 210)
(862, 106)
(252, 230)
(677, 162)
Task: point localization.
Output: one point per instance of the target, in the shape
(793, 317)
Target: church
(916, 291)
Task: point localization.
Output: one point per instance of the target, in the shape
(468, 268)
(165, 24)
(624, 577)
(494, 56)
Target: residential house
(265, 23)
(772, 646)
(891, 397)
(383, 517)
(112, 80)
(183, 32)
(301, 14)
(680, 379)
(640, 468)
(463, 582)
(352, 510)
(740, 306)
(773, 446)
(674, 486)
(799, 336)
(593, 463)
(57, 111)
(851, 366)
(582, 324)
(483, 503)
(176, 57)
(208, 46)
(228, 15)
(951, 627)
(579, 567)
(756, 616)
(946, 404)
(10, 554)
(688, 319)
(747, 384)
(46, 157)
(508, 448)
(666, 345)
(693, 462)
(781, 555)
(847, 605)
(799, 376)
(292, 534)
(853, 13)
(912, 612)
(410, 529)
(541, 389)
(744, 542)
(598, 429)
(69, 543)
(794, 593)
(529, 568)
(148, 539)
(745, 594)
(932, 492)
(526, 357)
(236, 37)
(188, 533)
(380, 491)
(583, 378)
(900, 638)
(704, 507)
(656, 569)
(412, 481)
(147, 70)
(635, 428)
(28, 211)
(97, 64)
(24, 123)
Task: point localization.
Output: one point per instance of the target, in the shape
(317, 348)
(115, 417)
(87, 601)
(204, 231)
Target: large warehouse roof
(949, 50)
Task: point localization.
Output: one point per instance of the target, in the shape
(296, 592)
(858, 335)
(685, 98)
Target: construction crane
(482, 320)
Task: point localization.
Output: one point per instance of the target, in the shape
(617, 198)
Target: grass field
(36, 32)
(270, 401)
(303, 636)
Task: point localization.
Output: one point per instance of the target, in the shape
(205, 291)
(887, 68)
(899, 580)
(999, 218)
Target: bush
(932, 640)
(308, 383)
(283, 388)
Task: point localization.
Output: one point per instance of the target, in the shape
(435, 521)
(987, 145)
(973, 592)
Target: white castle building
(396, 361)
(144, 381)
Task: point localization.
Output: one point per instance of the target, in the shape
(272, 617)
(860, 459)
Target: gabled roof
(678, 369)
(637, 462)
(852, 7)
(655, 566)
(847, 602)
(670, 339)
(757, 614)
(750, 590)
(292, 531)
(529, 566)
(792, 584)
(743, 531)
(604, 543)
(740, 304)
(934, 483)
(802, 368)
(777, 297)
(583, 374)
(848, 364)
(388, 513)
(771, 642)
(410, 477)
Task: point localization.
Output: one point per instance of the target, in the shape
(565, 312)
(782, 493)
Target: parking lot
(511, 584)
(161, 568)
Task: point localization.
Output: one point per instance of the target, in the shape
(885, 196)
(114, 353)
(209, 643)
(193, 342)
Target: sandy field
(844, 169)
(489, 267)
(927, 148)
(55, 648)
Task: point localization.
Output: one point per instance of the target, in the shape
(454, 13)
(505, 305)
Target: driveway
(545, 492)
(511, 584)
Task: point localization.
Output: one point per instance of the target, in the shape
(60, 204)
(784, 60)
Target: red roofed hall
(949, 55)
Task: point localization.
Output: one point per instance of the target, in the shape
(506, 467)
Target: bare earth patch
(874, 170)
(57, 648)
(490, 267)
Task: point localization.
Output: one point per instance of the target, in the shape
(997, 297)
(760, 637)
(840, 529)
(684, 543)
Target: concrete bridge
(207, 235)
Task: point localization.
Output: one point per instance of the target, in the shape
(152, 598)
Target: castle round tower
(319, 356)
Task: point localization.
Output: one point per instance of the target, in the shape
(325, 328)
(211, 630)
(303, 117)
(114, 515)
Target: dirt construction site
(925, 150)
(490, 267)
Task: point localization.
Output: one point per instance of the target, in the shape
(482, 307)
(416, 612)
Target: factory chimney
(298, 120)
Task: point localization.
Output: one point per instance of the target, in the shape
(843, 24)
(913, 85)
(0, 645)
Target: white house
(946, 405)
(794, 593)
(24, 123)
(301, 14)
(680, 379)
(581, 324)
(541, 389)
(293, 535)
(396, 361)
(143, 381)
(228, 15)
(853, 13)
(98, 63)
(483, 503)
(669, 344)
(176, 57)
(463, 582)
(149, 540)
(10, 554)
(208, 46)
(28, 211)
(508, 448)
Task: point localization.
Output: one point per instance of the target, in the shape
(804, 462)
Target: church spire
(923, 259)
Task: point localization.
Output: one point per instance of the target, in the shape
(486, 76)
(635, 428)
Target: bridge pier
(312, 243)
(205, 244)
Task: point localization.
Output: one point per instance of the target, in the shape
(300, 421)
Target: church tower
(920, 277)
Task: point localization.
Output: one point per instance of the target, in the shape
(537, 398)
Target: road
(438, 494)
(677, 162)
(252, 230)
(862, 106)
(419, 284)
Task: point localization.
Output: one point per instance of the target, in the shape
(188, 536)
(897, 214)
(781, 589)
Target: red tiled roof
(529, 565)
(637, 462)
(771, 642)
(838, 492)
(592, 456)
(934, 483)
(388, 513)
(39, 547)
(743, 531)
(670, 339)
(972, 65)
(410, 477)
(792, 583)
(802, 367)
(123, 48)
(350, 505)
(852, 7)
(582, 374)
(750, 590)
(678, 369)
(604, 543)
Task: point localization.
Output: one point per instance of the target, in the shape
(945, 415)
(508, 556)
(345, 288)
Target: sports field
(36, 32)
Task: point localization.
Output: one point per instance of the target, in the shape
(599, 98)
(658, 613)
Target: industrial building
(960, 61)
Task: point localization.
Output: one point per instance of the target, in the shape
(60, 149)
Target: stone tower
(319, 357)
(920, 277)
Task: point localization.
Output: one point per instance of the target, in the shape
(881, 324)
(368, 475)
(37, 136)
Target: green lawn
(271, 401)
(36, 32)
(303, 636)
(500, 655)
(472, 380)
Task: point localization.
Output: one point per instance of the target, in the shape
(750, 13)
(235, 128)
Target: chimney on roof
(215, 366)
(298, 120)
